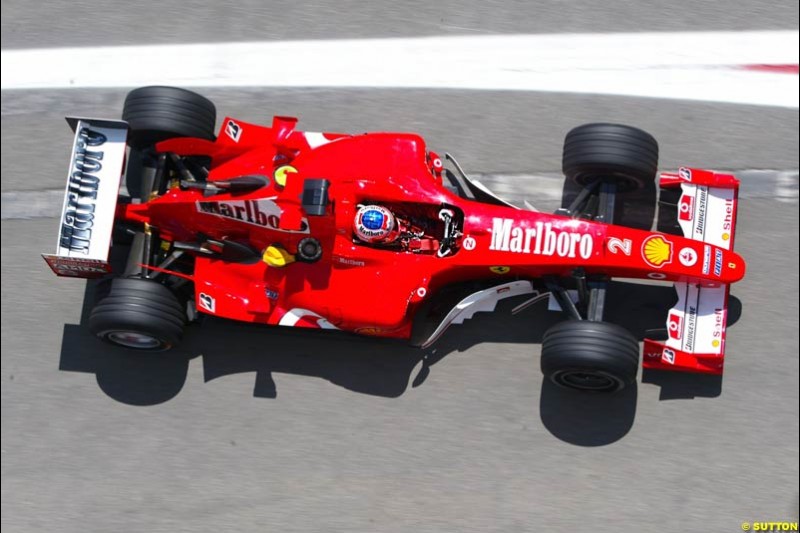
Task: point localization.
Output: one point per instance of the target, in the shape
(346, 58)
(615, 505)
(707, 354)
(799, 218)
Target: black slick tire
(621, 154)
(138, 314)
(590, 356)
(158, 113)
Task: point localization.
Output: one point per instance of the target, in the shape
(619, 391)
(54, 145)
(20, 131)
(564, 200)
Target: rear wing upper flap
(90, 198)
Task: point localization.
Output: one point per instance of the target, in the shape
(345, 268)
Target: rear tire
(159, 113)
(590, 356)
(624, 155)
(138, 314)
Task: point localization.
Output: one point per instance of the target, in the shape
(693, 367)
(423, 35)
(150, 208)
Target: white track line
(691, 65)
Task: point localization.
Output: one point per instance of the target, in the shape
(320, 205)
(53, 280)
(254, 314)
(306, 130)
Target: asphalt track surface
(262, 430)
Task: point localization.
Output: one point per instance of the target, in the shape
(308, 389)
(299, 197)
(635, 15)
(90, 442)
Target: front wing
(696, 325)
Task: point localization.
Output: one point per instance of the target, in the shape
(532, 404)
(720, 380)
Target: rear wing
(90, 198)
(706, 212)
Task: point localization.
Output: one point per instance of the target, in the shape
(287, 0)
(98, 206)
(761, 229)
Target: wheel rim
(134, 339)
(588, 380)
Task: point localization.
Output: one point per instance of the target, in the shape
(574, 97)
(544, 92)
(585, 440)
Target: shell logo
(657, 251)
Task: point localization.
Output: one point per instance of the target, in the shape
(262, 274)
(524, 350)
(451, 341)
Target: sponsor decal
(620, 246)
(719, 327)
(541, 239)
(469, 243)
(706, 259)
(727, 221)
(77, 267)
(702, 205)
(691, 326)
(668, 356)
(349, 262)
(718, 262)
(674, 326)
(207, 302)
(78, 220)
(500, 269)
(687, 257)
(657, 251)
(263, 212)
(686, 208)
(233, 130)
(685, 173)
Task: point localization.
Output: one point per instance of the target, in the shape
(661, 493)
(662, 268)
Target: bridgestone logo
(540, 239)
(691, 326)
(702, 204)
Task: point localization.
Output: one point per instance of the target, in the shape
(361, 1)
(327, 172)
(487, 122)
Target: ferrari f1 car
(375, 234)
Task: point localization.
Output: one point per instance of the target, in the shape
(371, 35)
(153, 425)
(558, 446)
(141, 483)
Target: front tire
(158, 113)
(624, 155)
(590, 356)
(137, 314)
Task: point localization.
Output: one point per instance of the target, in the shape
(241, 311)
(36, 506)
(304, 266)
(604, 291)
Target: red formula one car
(372, 234)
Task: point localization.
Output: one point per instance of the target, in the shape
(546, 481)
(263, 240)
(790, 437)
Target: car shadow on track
(379, 367)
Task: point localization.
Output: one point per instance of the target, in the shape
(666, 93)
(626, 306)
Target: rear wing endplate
(90, 198)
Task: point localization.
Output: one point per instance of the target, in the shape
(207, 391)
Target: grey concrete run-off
(51, 23)
(489, 132)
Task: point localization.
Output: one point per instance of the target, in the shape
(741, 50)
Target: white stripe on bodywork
(293, 316)
(315, 138)
(682, 65)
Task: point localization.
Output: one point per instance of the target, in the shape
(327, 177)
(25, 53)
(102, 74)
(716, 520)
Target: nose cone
(734, 268)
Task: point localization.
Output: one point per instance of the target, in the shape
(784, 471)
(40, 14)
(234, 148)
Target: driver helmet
(375, 224)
